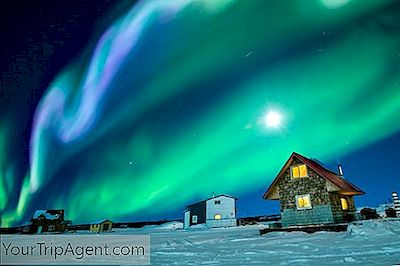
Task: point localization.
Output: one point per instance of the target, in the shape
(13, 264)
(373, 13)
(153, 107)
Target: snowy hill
(374, 242)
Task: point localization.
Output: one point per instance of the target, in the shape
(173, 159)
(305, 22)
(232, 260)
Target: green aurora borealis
(166, 106)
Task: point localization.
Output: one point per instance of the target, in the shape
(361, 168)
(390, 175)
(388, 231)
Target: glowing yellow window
(345, 205)
(303, 202)
(300, 202)
(295, 172)
(303, 170)
(217, 217)
(299, 171)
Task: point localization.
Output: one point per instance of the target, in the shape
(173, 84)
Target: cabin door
(39, 229)
(186, 221)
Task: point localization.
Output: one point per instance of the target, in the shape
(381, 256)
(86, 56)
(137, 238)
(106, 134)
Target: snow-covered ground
(365, 243)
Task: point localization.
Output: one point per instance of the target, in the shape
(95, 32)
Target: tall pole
(396, 203)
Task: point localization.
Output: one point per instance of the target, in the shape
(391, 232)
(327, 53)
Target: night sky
(131, 111)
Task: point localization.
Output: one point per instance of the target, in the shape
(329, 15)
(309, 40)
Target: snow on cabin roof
(46, 215)
(221, 195)
(342, 184)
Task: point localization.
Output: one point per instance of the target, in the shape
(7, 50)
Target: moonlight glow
(273, 119)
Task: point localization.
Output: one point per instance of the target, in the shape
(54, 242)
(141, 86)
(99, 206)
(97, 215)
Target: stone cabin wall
(340, 215)
(314, 185)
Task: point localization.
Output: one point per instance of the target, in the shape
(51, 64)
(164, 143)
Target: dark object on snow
(308, 229)
(10, 230)
(275, 225)
(258, 219)
(76, 227)
(390, 212)
(368, 214)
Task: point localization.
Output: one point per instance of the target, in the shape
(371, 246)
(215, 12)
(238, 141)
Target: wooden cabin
(101, 226)
(218, 211)
(309, 193)
(43, 221)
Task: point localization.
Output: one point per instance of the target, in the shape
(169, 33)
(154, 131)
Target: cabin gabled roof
(101, 221)
(343, 186)
(204, 201)
(221, 195)
(46, 213)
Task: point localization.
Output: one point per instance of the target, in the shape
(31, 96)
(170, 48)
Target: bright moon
(273, 119)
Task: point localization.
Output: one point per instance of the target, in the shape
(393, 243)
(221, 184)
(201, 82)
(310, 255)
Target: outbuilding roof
(343, 186)
(203, 201)
(101, 221)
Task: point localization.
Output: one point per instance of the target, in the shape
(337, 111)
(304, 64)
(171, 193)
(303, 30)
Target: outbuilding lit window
(303, 202)
(345, 204)
(298, 171)
(217, 217)
(194, 219)
(51, 227)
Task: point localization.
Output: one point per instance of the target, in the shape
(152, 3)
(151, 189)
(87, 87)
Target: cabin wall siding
(320, 214)
(339, 215)
(205, 211)
(226, 209)
(186, 219)
(221, 223)
(198, 209)
(99, 227)
(337, 211)
(45, 223)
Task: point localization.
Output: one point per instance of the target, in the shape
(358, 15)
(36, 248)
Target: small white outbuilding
(218, 211)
